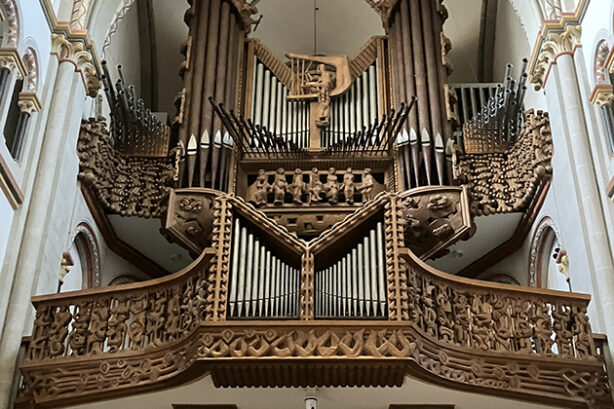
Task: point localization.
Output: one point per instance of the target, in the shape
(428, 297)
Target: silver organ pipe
(261, 284)
(355, 110)
(354, 286)
(272, 109)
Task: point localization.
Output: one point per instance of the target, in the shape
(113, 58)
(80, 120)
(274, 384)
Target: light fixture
(310, 402)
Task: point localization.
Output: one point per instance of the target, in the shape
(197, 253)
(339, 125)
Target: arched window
(22, 105)
(545, 267)
(603, 95)
(82, 261)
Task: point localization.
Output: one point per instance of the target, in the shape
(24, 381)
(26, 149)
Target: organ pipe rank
(255, 141)
(136, 130)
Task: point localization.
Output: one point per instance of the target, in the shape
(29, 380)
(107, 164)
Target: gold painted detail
(555, 44)
(74, 51)
(602, 95)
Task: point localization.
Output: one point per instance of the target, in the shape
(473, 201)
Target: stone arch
(84, 237)
(600, 71)
(546, 235)
(30, 62)
(9, 10)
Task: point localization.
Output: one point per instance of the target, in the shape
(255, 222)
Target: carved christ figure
(321, 83)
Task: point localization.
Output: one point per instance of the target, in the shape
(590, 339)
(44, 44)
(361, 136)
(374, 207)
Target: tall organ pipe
(433, 82)
(220, 83)
(199, 69)
(410, 86)
(192, 18)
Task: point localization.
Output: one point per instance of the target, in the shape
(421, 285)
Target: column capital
(9, 58)
(556, 44)
(603, 94)
(74, 51)
(29, 103)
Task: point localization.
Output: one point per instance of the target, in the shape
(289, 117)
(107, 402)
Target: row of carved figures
(316, 190)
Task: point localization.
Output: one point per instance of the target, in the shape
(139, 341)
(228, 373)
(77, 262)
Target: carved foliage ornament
(557, 43)
(11, 17)
(75, 52)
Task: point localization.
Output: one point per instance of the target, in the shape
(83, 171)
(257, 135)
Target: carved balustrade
(523, 343)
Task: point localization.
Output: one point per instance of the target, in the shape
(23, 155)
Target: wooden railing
(524, 343)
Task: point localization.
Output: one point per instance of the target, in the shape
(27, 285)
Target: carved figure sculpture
(297, 187)
(59, 331)
(280, 185)
(348, 186)
(262, 188)
(315, 186)
(332, 186)
(321, 83)
(366, 188)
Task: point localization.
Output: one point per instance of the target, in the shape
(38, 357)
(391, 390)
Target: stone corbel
(558, 43)
(29, 103)
(9, 58)
(75, 52)
(602, 95)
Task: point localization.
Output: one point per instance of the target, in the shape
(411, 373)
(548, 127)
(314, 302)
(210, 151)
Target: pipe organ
(262, 285)
(355, 110)
(354, 286)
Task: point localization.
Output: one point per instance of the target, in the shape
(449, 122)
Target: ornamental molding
(602, 95)
(66, 49)
(9, 58)
(549, 27)
(556, 44)
(29, 103)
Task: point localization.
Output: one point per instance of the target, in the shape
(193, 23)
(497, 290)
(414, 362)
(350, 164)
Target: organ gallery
(315, 194)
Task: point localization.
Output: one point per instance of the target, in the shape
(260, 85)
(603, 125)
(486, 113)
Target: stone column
(71, 84)
(560, 48)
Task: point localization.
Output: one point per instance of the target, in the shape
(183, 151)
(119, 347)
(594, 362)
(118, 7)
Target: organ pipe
(215, 32)
(261, 284)
(354, 285)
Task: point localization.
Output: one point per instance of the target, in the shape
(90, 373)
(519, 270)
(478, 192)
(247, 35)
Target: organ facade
(321, 200)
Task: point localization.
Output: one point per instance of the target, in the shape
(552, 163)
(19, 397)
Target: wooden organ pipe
(261, 284)
(410, 87)
(438, 15)
(272, 110)
(354, 286)
(215, 31)
(415, 41)
(433, 83)
(355, 110)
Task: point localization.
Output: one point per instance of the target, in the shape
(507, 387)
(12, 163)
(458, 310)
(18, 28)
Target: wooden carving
(123, 185)
(506, 182)
(527, 343)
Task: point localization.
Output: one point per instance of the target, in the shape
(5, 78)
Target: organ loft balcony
(323, 199)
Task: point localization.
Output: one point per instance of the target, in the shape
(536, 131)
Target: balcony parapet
(522, 343)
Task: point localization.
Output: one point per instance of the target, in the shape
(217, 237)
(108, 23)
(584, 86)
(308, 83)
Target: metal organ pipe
(261, 284)
(272, 109)
(354, 286)
(353, 111)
